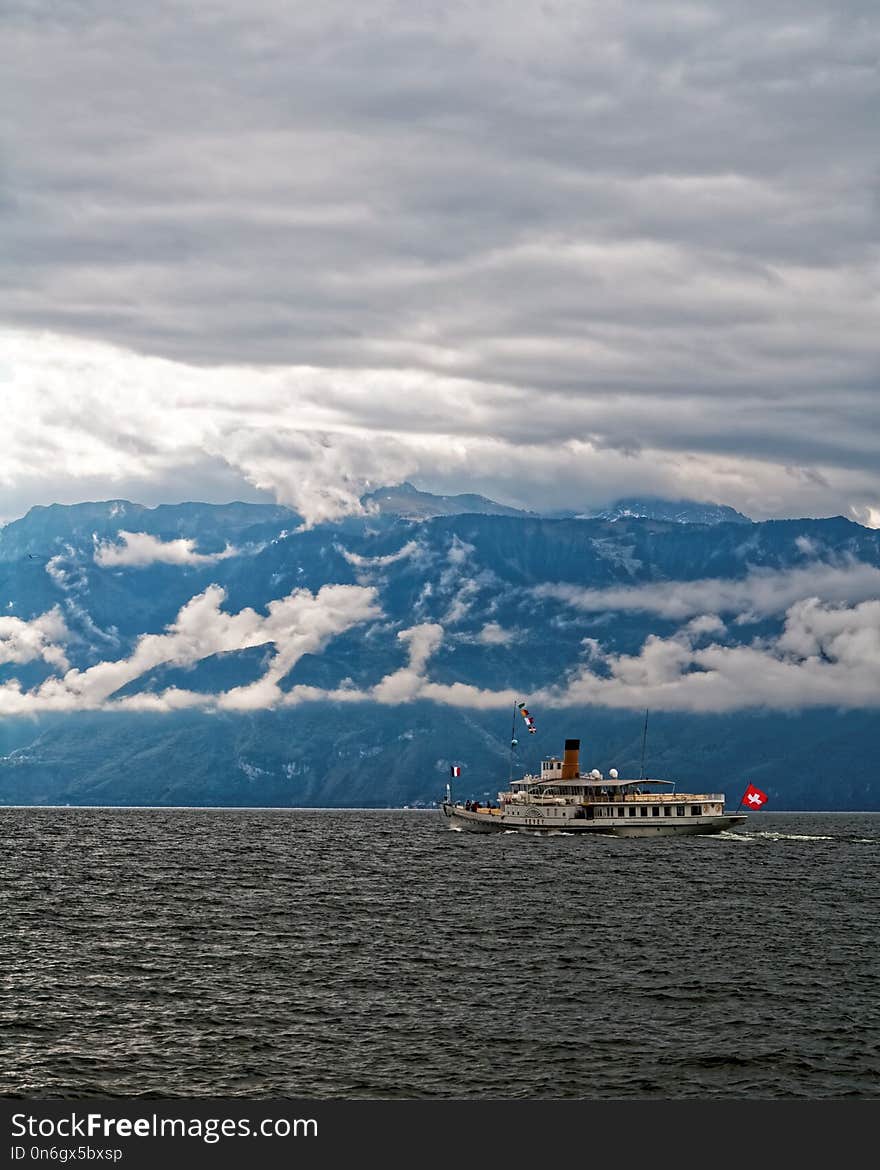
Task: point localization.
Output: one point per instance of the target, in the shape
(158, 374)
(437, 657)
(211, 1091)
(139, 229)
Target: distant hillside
(675, 511)
(46, 531)
(408, 502)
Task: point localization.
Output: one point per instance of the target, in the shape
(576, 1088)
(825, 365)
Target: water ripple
(268, 953)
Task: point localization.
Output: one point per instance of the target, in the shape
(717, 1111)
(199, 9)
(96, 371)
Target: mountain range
(227, 655)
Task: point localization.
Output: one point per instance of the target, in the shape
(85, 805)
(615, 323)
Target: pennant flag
(530, 723)
(753, 797)
(454, 771)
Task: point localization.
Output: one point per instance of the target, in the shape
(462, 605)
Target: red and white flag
(530, 723)
(754, 798)
(454, 771)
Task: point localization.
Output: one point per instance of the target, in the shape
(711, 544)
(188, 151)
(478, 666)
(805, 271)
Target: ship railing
(655, 797)
(615, 798)
(534, 798)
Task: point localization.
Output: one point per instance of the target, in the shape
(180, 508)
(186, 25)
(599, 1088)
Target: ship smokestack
(571, 762)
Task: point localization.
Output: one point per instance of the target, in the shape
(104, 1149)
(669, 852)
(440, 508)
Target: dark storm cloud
(658, 221)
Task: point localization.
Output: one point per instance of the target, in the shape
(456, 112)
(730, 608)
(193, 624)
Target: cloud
(171, 699)
(67, 573)
(762, 593)
(411, 549)
(492, 634)
(460, 582)
(557, 253)
(406, 684)
(866, 515)
(827, 656)
(298, 624)
(411, 682)
(24, 641)
(139, 549)
(807, 546)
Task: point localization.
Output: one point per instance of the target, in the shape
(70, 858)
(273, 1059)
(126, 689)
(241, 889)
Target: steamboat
(565, 800)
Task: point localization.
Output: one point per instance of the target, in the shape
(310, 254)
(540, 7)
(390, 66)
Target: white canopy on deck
(592, 782)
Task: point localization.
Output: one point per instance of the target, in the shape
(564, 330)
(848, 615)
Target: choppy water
(378, 954)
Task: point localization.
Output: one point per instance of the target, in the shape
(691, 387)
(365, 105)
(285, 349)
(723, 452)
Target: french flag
(454, 771)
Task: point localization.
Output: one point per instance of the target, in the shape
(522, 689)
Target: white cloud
(551, 253)
(807, 546)
(460, 606)
(411, 682)
(60, 573)
(139, 549)
(492, 634)
(866, 514)
(411, 549)
(763, 592)
(827, 656)
(24, 641)
(458, 553)
(298, 624)
(88, 418)
(459, 582)
(66, 573)
(171, 699)
(406, 684)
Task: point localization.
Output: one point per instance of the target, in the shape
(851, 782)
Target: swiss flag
(753, 797)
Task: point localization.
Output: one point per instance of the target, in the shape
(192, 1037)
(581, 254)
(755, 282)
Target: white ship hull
(497, 821)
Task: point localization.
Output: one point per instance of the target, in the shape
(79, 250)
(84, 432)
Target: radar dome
(613, 773)
(595, 774)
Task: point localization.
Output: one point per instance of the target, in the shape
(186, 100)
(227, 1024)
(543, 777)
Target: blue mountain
(677, 511)
(509, 603)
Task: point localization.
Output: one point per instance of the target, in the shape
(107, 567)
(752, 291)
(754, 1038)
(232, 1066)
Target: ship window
(695, 810)
(643, 812)
(632, 812)
(667, 812)
(655, 811)
(679, 811)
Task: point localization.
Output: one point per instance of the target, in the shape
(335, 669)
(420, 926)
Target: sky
(552, 252)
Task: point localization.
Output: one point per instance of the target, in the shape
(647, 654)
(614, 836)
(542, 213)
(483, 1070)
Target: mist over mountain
(227, 654)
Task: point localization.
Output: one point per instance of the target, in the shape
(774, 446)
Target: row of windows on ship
(641, 810)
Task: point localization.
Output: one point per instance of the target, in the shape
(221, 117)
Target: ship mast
(513, 741)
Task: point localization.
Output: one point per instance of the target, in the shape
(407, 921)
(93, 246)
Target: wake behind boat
(565, 800)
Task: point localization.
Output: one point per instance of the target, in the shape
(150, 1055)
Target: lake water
(363, 954)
